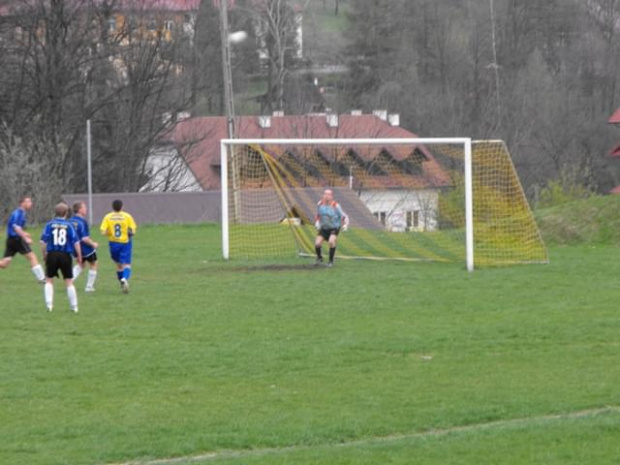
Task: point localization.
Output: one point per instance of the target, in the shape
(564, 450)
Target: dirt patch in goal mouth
(277, 267)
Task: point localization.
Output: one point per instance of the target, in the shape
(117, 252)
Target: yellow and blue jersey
(118, 227)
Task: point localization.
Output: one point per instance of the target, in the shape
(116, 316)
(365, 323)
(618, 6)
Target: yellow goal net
(407, 199)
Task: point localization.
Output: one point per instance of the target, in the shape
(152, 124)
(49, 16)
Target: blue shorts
(121, 253)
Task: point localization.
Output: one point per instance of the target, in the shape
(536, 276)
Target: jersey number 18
(60, 236)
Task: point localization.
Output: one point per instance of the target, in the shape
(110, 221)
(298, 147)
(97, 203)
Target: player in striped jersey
(89, 247)
(19, 241)
(59, 242)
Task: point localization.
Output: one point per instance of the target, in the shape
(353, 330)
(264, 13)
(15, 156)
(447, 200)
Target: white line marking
(228, 454)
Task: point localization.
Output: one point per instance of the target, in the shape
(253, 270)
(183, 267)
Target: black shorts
(16, 245)
(59, 261)
(92, 258)
(326, 233)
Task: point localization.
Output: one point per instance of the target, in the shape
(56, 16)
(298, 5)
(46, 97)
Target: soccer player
(19, 241)
(120, 227)
(59, 242)
(89, 247)
(329, 220)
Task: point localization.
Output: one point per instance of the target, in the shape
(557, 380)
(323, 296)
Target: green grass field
(368, 362)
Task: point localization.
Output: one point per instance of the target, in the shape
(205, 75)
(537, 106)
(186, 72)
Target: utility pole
(227, 69)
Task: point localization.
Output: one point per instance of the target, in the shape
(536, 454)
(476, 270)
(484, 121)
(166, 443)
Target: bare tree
(67, 62)
(278, 23)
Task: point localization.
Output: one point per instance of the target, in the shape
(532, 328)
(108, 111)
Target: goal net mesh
(404, 201)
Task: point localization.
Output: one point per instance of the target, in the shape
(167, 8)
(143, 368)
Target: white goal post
(229, 147)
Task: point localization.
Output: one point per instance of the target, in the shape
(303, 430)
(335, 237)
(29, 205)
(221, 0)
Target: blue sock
(126, 273)
(119, 275)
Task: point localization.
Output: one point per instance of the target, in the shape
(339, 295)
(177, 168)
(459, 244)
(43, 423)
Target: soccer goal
(423, 199)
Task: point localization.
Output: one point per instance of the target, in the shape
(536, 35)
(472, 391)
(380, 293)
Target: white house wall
(398, 205)
(168, 172)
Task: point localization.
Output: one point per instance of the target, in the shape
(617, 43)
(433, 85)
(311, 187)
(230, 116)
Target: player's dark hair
(77, 206)
(61, 210)
(117, 205)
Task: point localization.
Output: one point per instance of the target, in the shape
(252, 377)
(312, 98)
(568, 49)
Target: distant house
(127, 18)
(167, 19)
(193, 149)
(162, 18)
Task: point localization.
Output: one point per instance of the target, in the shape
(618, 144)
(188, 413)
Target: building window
(413, 219)
(381, 216)
(169, 25)
(151, 24)
(132, 22)
(112, 24)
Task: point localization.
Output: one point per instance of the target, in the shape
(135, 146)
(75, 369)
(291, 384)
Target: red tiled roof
(615, 118)
(615, 152)
(615, 190)
(199, 140)
(164, 5)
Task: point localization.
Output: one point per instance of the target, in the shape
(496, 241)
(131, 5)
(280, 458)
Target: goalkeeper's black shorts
(326, 233)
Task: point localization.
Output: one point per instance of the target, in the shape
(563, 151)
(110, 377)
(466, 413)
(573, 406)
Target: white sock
(38, 273)
(72, 296)
(92, 275)
(49, 295)
(77, 269)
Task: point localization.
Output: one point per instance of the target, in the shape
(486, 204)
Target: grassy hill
(590, 221)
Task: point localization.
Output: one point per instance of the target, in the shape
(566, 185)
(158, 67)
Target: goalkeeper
(329, 221)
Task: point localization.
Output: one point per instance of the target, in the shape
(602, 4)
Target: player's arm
(43, 243)
(23, 234)
(78, 251)
(343, 217)
(84, 233)
(317, 218)
(132, 227)
(105, 227)
(88, 241)
(75, 239)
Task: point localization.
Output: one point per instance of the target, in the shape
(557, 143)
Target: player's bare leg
(5, 262)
